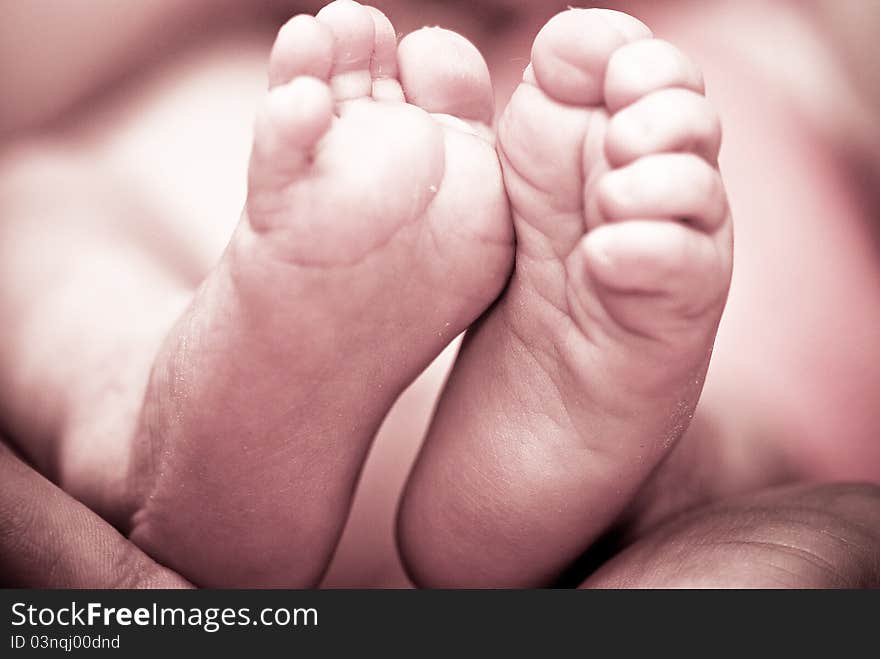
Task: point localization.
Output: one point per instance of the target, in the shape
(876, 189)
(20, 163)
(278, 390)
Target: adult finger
(824, 536)
(49, 540)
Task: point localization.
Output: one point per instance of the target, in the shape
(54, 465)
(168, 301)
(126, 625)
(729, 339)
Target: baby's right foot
(376, 230)
(575, 385)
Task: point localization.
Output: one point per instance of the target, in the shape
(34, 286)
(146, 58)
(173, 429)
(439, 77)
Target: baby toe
(354, 38)
(456, 84)
(674, 186)
(572, 51)
(303, 47)
(641, 67)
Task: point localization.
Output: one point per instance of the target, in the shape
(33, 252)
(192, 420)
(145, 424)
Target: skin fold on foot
(569, 392)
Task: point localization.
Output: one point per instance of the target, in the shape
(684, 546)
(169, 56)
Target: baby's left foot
(571, 390)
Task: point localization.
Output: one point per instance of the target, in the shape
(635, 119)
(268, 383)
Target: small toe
(664, 121)
(354, 38)
(675, 186)
(383, 65)
(444, 73)
(289, 124)
(655, 278)
(303, 47)
(642, 67)
(648, 256)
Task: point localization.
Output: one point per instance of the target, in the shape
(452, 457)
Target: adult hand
(805, 536)
(49, 540)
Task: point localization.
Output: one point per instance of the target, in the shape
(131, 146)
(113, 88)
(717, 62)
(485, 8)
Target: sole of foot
(572, 389)
(376, 229)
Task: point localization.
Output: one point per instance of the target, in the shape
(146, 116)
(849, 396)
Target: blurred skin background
(154, 101)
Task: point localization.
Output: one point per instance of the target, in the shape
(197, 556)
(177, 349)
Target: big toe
(571, 52)
(457, 84)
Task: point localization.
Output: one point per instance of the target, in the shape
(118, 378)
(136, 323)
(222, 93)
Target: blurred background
(152, 101)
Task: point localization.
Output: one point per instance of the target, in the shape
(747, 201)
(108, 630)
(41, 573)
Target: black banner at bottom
(461, 623)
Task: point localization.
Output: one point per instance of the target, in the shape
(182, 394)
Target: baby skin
(575, 385)
(382, 220)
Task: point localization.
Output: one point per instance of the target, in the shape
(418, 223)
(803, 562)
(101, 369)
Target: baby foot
(376, 229)
(570, 391)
